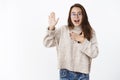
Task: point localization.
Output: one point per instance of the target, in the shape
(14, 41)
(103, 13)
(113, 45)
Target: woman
(76, 44)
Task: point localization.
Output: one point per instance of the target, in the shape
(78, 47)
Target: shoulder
(93, 32)
(63, 27)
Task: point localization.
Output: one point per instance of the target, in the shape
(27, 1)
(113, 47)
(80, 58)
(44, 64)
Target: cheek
(72, 20)
(80, 18)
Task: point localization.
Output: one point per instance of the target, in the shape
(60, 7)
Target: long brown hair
(85, 25)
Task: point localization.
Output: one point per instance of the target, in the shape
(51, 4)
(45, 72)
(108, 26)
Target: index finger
(52, 14)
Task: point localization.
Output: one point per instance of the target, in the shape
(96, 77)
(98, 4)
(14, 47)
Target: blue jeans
(70, 75)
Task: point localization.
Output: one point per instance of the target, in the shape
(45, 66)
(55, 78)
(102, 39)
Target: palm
(52, 21)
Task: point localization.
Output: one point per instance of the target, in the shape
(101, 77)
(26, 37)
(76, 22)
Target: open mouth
(76, 21)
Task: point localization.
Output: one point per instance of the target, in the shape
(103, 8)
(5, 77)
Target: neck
(77, 27)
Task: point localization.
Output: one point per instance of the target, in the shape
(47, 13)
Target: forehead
(76, 9)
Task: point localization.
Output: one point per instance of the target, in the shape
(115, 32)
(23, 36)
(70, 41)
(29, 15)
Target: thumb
(57, 20)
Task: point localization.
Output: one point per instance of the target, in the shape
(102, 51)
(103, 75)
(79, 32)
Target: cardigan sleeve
(90, 48)
(52, 37)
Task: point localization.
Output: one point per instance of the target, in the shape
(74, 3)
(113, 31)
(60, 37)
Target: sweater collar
(77, 27)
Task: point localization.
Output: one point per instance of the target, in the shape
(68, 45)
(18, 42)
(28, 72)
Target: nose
(77, 15)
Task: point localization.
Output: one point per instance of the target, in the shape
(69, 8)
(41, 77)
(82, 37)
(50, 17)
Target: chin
(76, 24)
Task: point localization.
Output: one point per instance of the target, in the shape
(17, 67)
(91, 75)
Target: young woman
(76, 44)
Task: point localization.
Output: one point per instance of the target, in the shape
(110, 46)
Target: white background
(23, 25)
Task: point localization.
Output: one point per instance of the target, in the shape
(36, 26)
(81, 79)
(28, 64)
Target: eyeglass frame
(73, 14)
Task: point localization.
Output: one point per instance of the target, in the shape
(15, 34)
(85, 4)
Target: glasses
(74, 14)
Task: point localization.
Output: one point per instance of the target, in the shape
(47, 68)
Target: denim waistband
(71, 75)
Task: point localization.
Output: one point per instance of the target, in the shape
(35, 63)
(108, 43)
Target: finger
(82, 34)
(71, 36)
(52, 14)
(72, 33)
(57, 20)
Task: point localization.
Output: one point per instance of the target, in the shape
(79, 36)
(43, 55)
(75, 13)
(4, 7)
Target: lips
(76, 21)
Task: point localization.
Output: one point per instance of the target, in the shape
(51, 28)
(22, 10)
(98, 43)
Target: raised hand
(52, 21)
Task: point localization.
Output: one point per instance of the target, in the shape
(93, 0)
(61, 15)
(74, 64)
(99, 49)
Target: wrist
(51, 28)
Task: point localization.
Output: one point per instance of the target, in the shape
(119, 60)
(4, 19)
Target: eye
(79, 14)
(73, 14)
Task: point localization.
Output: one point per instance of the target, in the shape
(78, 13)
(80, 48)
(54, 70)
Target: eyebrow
(77, 12)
